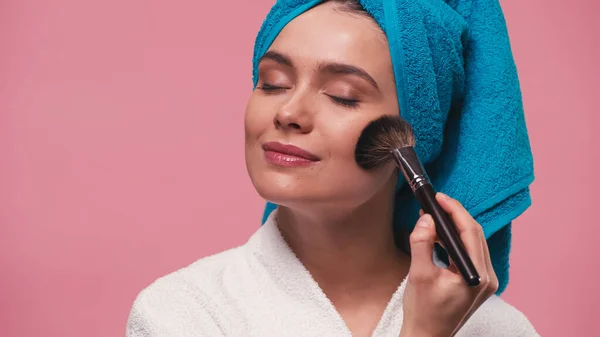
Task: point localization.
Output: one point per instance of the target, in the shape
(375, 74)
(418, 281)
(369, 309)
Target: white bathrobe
(261, 289)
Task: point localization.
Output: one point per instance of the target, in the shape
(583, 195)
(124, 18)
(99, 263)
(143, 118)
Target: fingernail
(425, 221)
(444, 196)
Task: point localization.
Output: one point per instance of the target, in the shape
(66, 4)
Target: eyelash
(349, 103)
(270, 88)
(345, 102)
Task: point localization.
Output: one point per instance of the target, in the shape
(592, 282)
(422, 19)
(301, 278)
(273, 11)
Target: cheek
(342, 134)
(256, 119)
(349, 178)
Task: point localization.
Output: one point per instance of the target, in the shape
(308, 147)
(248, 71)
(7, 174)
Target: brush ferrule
(410, 165)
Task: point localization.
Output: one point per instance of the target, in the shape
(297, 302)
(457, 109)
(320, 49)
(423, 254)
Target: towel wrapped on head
(458, 87)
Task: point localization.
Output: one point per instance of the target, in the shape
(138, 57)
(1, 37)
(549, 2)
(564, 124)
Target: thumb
(422, 240)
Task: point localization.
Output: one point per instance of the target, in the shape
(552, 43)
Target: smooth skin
(324, 78)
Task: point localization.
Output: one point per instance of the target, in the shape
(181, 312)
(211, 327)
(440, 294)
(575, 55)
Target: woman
(325, 263)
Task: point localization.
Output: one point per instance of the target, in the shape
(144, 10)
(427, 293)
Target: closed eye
(270, 88)
(347, 102)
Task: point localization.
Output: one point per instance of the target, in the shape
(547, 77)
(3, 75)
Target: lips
(288, 155)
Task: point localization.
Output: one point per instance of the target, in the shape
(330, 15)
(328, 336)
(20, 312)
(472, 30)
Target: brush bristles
(380, 138)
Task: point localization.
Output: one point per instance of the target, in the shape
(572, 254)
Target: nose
(295, 115)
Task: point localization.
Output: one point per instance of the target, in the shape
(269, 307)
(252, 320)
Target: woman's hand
(437, 301)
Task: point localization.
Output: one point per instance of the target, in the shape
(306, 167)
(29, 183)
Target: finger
(422, 240)
(483, 293)
(452, 266)
(493, 279)
(471, 233)
(488, 275)
(455, 209)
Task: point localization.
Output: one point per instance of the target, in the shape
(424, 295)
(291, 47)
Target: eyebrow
(326, 67)
(346, 69)
(277, 57)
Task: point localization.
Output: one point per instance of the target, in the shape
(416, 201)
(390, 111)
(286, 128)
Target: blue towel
(458, 87)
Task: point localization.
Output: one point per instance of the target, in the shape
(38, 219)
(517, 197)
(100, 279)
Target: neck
(347, 250)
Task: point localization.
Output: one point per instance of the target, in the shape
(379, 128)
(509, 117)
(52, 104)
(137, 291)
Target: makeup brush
(390, 138)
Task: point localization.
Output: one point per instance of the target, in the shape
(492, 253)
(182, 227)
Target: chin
(288, 191)
(279, 188)
(304, 187)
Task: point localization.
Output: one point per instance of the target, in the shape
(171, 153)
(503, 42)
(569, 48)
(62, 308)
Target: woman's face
(324, 78)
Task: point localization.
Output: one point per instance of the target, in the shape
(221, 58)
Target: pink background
(121, 155)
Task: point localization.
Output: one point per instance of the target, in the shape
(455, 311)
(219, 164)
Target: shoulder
(182, 300)
(497, 318)
(195, 278)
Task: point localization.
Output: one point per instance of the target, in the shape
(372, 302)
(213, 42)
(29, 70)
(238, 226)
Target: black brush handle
(448, 233)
